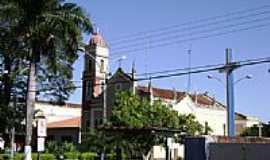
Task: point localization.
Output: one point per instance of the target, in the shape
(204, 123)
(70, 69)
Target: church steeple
(96, 61)
(96, 65)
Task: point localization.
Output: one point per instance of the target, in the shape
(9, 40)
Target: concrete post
(230, 93)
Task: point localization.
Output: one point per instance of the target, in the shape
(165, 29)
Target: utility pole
(229, 67)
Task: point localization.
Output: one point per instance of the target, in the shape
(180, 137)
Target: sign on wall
(41, 128)
(41, 144)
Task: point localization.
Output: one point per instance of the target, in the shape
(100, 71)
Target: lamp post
(230, 112)
(210, 76)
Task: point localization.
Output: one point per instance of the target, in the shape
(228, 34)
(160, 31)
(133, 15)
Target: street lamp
(230, 111)
(210, 76)
(249, 76)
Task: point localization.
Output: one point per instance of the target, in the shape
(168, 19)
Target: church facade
(97, 104)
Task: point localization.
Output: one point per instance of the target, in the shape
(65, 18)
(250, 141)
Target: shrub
(47, 156)
(68, 147)
(4, 156)
(72, 155)
(88, 156)
(34, 156)
(60, 149)
(18, 156)
(179, 158)
(111, 156)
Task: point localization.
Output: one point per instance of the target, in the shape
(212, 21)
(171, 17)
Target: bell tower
(94, 74)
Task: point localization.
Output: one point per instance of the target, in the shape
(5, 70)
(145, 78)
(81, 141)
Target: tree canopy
(130, 110)
(44, 34)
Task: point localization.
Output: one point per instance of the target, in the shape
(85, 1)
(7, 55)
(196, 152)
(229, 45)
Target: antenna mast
(189, 69)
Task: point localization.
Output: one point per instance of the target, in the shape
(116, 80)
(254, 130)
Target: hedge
(43, 156)
(72, 155)
(67, 156)
(4, 156)
(88, 156)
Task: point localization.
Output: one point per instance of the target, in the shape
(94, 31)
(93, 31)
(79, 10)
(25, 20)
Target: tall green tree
(130, 110)
(49, 30)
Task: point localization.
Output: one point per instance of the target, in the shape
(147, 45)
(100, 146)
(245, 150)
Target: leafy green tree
(48, 33)
(130, 111)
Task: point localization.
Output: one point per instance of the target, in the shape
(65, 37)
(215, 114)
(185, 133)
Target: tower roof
(98, 40)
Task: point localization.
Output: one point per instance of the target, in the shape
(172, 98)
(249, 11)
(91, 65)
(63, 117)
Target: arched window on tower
(102, 65)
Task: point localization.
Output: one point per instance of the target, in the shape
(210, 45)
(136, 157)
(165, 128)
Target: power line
(178, 41)
(218, 68)
(189, 27)
(199, 69)
(191, 22)
(205, 31)
(180, 69)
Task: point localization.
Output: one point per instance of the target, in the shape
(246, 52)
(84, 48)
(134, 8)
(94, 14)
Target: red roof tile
(201, 99)
(162, 93)
(68, 123)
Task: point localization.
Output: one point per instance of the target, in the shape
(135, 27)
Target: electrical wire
(179, 41)
(192, 22)
(184, 28)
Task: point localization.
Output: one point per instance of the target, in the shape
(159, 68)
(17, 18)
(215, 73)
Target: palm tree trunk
(30, 104)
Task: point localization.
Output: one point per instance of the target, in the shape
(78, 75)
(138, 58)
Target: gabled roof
(68, 123)
(201, 99)
(121, 73)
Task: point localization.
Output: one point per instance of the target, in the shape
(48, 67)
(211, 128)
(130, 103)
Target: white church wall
(55, 113)
(216, 118)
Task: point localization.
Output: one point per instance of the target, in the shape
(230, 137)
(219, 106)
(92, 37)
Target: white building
(63, 121)
(55, 112)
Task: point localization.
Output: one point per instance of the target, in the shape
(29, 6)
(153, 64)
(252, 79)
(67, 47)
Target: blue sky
(119, 18)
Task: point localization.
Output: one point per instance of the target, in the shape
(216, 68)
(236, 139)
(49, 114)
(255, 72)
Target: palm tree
(50, 31)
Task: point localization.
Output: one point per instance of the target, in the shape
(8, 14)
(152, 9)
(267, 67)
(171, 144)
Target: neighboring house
(67, 130)
(54, 112)
(244, 121)
(63, 121)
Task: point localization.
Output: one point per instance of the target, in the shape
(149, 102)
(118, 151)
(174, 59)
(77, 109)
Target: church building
(97, 104)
